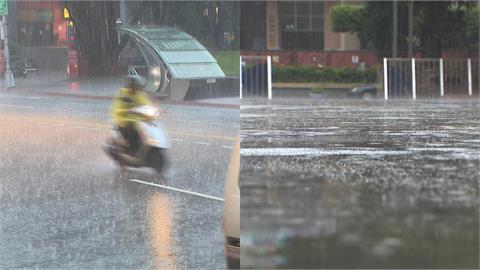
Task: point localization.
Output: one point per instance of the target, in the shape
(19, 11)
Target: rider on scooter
(128, 97)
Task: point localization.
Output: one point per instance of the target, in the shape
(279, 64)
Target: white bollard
(385, 79)
(414, 83)
(469, 62)
(442, 89)
(269, 76)
(241, 77)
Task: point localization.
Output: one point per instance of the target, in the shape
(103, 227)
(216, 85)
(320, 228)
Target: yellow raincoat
(123, 101)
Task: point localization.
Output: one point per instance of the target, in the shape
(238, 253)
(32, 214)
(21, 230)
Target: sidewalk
(283, 85)
(56, 84)
(226, 100)
(333, 90)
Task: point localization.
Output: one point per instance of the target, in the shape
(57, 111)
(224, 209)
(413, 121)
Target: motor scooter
(153, 142)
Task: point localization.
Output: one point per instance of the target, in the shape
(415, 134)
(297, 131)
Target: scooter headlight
(153, 112)
(149, 111)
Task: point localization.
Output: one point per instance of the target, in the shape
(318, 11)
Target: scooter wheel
(115, 157)
(158, 160)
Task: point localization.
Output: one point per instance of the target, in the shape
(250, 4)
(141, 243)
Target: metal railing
(429, 78)
(398, 77)
(256, 76)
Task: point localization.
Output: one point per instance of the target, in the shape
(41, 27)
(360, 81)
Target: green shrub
(228, 61)
(319, 90)
(300, 74)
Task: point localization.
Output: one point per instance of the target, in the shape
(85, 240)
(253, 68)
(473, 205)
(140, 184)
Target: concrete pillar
(178, 89)
(273, 31)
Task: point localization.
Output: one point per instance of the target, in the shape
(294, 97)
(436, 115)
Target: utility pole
(410, 29)
(9, 80)
(123, 12)
(122, 21)
(342, 34)
(395, 28)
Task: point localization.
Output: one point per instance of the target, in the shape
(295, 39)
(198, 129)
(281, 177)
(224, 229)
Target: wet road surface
(357, 184)
(64, 204)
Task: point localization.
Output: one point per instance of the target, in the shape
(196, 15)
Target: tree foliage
(205, 20)
(464, 27)
(437, 25)
(347, 18)
(98, 40)
(94, 23)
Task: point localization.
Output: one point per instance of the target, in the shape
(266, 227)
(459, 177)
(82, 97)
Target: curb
(309, 85)
(103, 97)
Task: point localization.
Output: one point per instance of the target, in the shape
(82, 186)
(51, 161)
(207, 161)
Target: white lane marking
(228, 146)
(202, 143)
(83, 104)
(104, 129)
(16, 106)
(178, 190)
(89, 112)
(33, 108)
(15, 96)
(203, 122)
(252, 152)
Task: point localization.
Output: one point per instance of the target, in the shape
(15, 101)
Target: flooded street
(351, 183)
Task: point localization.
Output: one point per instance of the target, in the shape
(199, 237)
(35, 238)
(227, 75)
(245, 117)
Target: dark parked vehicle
(23, 67)
(364, 92)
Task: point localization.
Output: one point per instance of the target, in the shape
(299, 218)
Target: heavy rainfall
(385, 184)
(358, 123)
(360, 135)
(65, 203)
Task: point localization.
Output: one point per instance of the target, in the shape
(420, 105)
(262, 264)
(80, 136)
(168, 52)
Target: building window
(301, 24)
(35, 34)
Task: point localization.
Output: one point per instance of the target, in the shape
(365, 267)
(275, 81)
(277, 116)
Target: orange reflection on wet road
(161, 229)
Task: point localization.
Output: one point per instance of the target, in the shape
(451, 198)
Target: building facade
(38, 30)
(40, 23)
(299, 33)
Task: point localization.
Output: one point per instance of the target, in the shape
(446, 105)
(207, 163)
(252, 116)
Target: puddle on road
(341, 226)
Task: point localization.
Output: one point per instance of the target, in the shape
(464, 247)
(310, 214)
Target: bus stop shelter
(173, 59)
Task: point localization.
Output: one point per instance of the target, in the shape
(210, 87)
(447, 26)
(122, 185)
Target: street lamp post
(9, 80)
(395, 28)
(410, 29)
(123, 12)
(118, 24)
